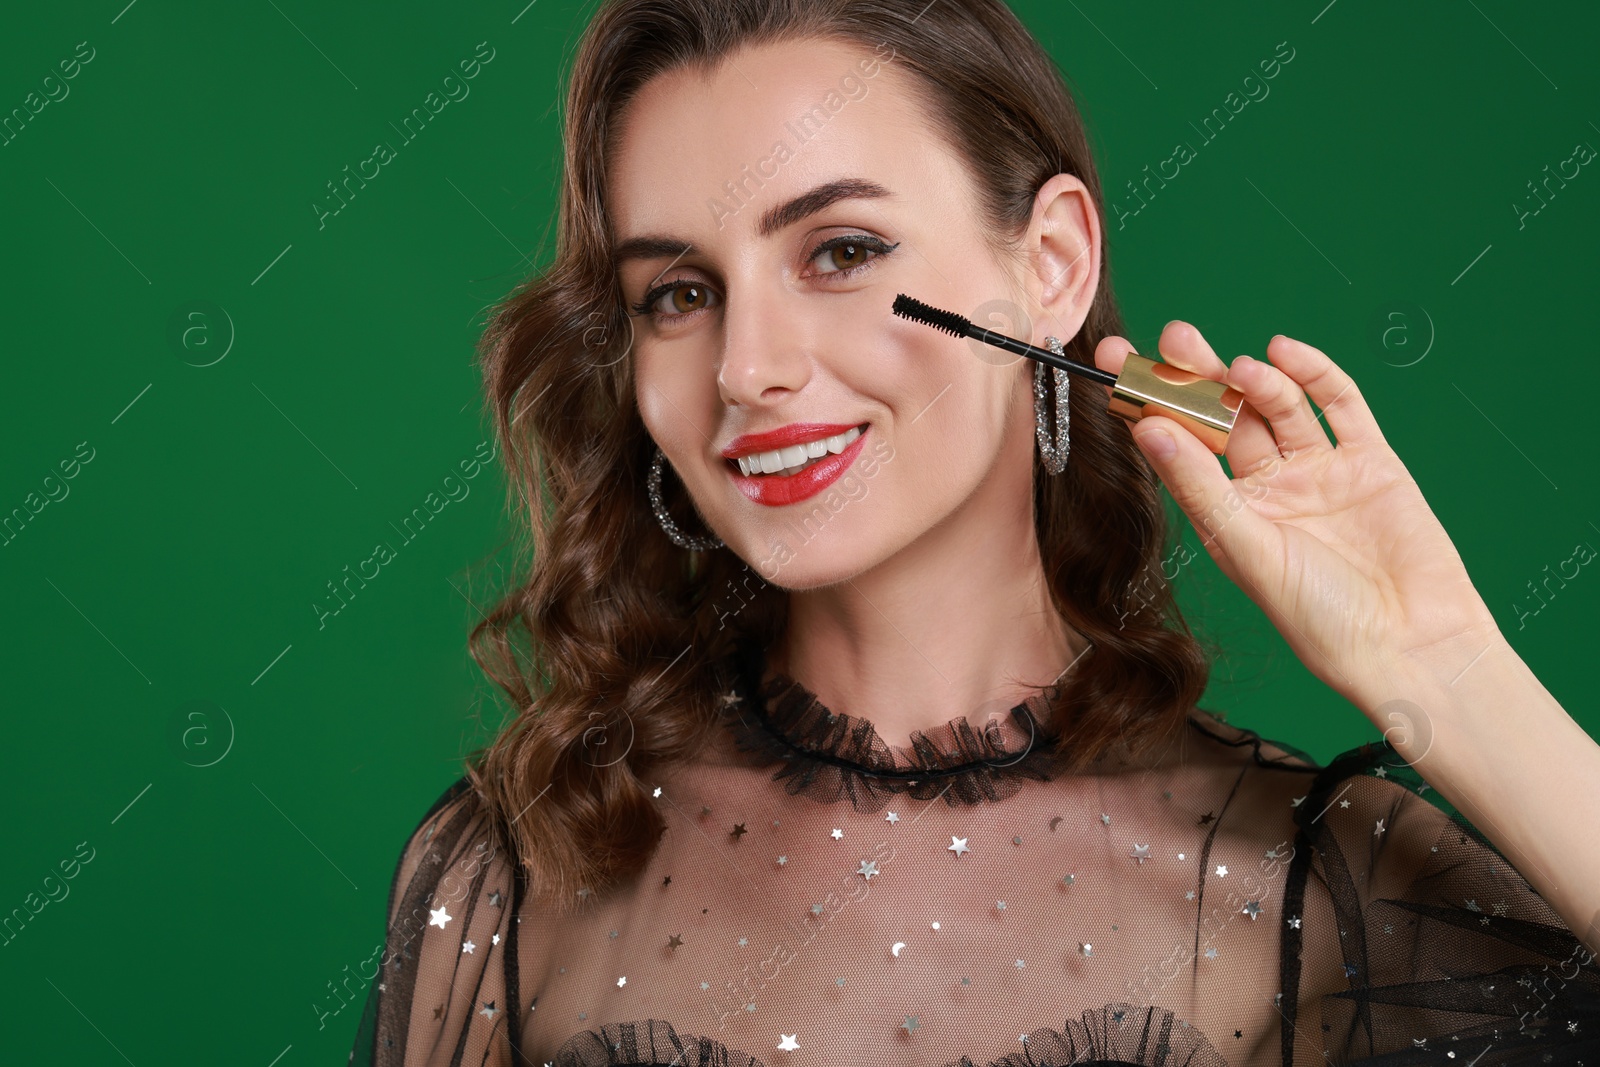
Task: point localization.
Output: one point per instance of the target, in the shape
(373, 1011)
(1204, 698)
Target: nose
(766, 339)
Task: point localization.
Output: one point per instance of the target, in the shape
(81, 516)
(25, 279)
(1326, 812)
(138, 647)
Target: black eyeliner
(827, 245)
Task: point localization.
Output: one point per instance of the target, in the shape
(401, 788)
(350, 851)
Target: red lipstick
(796, 433)
(776, 490)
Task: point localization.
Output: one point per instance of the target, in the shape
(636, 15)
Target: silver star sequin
(868, 869)
(1140, 853)
(958, 845)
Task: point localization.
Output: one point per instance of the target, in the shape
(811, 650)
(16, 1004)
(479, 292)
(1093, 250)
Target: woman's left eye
(851, 253)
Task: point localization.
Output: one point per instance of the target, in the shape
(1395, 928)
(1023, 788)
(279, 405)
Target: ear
(1064, 243)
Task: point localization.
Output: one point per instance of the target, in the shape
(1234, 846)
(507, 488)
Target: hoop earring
(1052, 453)
(678, 537)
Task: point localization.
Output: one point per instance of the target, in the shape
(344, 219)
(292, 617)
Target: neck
(958, 624)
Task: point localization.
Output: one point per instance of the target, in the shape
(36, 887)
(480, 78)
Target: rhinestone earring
(677, 536)
(1053, 453)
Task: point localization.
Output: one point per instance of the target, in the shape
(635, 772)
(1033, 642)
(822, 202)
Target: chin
(787, 559)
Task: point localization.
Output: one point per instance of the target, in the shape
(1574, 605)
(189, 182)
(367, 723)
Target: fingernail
(1159, 443)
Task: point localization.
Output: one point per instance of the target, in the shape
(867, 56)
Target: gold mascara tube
(1204, 407)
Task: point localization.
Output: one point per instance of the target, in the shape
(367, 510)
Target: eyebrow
(774, 219)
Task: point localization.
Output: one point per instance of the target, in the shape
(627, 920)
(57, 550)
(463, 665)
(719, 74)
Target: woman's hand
(1334, 542)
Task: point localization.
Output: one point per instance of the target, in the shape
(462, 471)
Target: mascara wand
(1204, 407)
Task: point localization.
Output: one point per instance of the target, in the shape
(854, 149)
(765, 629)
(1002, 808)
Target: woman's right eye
(687, 297)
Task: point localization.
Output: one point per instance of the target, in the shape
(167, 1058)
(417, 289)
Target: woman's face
(777, 318)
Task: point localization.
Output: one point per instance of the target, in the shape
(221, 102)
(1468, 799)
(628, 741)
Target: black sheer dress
(957, 902)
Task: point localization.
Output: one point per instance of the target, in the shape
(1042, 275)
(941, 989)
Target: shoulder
(455, 841)
(1371, 776)
(1211, 738)
(1384, 827)
(450, 962)
(1366, 801)
(1369, 784)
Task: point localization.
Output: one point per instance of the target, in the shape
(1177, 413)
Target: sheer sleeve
(1426, 944)
(446, 990)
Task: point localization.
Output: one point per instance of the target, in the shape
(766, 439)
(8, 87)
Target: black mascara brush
(1204, 407)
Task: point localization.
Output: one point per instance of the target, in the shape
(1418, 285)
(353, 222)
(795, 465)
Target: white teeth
(794, 457)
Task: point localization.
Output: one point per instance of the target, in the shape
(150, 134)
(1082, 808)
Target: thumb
(1228, 526)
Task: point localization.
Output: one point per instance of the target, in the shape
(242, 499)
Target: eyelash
(871, 244)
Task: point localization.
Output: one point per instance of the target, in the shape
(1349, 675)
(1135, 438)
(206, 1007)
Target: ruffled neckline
(1117, 1035)
(830, 756)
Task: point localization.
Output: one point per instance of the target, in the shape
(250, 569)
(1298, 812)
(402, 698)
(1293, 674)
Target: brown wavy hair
(615, 647)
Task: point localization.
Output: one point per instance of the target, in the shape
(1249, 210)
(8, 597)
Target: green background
(1373, 187)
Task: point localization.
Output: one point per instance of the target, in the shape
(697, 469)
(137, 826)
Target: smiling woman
(937, 790)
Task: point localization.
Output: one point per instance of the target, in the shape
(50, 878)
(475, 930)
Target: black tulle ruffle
(830, 756)
(1117, 1035)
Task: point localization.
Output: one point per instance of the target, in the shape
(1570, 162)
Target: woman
(999, 830)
